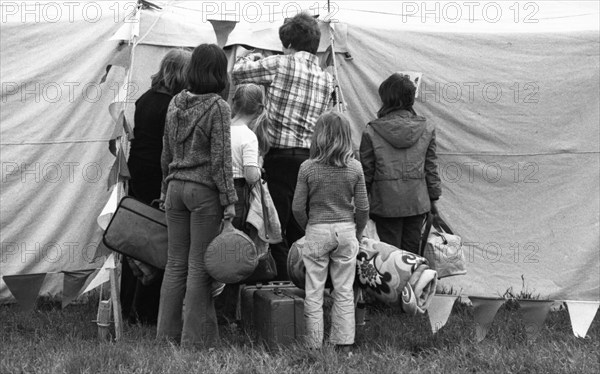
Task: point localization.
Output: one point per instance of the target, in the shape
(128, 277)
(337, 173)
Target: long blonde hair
(248, 100)
(332, 140)
(260, 126)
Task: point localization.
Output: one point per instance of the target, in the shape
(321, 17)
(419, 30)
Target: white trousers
(330, 248)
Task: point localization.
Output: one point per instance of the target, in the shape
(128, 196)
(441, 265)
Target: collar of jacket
(307, 56)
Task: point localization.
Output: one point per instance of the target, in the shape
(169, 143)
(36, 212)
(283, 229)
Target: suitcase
(279, 316)
(246, 303)
(139, 231)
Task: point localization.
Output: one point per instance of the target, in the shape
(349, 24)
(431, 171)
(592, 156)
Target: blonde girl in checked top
(331, 187)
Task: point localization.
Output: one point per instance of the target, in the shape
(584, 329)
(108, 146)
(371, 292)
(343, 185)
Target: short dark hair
(396, 92)
(207, 71)
(301, 33)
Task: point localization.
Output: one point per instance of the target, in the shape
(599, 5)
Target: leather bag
(139, 231)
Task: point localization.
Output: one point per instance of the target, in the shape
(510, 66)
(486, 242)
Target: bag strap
(227, 225)
(428, 222)
(441, 225)
(265, 211)
(248, 197)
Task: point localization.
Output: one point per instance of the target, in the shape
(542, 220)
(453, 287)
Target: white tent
(515, 102)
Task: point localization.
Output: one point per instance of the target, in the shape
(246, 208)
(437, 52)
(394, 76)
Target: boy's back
(298, 92)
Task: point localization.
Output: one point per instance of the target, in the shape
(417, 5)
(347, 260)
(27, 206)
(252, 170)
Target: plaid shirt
(298, 91)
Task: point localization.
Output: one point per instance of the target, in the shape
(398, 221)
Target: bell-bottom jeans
(186, 310)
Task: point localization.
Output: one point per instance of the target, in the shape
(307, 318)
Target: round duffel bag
(295, 265)
(231, 257)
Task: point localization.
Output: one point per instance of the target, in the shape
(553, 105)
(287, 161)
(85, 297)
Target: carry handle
(227, 225)
(274, 283)
(441, 228)
(280, 283)
(156, 204)
(441, 225)
(441, 235)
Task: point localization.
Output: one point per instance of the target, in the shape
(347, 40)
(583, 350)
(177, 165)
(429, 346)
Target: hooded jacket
(197, 143)
(398, 154)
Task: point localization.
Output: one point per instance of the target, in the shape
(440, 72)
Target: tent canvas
(516, 111)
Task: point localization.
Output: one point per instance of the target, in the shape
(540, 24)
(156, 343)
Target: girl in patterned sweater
(331, 203)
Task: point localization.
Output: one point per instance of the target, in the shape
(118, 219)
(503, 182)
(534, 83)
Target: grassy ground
(51, 340)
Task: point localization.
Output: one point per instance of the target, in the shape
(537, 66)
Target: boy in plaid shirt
(298, 91)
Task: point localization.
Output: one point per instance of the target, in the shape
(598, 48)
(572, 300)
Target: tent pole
(338, 91)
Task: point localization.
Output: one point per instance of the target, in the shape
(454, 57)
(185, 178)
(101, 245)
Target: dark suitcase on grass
(139, 231)
(279, 316)
(247, 301)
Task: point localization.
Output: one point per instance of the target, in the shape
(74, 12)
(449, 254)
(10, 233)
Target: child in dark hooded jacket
(398, 155)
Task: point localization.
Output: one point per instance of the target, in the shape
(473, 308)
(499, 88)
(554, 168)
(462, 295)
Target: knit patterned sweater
(197, 143)
(328, 192)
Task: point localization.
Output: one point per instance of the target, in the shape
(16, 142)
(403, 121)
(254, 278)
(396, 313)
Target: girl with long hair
(139, 298)
(199, 193)
(331, 188)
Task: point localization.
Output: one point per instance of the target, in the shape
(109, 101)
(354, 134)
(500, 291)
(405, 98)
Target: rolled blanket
(419, 291)
(395, 276)
(388, 274)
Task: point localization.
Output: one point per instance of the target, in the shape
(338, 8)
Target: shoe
(217, 288)
(346, 349)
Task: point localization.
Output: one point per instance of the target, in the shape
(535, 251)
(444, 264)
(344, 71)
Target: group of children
(331, 188)
(281, 126)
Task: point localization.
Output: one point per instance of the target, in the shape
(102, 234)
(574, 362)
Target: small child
(248, 105)
(398, 156)
(331, 187)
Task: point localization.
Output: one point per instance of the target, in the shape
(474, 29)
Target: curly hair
(301, 33)
(172, 72)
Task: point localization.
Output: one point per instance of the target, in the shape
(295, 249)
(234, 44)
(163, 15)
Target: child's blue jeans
(330, 248)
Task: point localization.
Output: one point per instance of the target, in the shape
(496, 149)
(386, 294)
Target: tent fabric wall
(516, 116)
(538, 219)
(54, 134)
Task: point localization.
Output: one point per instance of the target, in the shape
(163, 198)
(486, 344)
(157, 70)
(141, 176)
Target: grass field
(51, 340)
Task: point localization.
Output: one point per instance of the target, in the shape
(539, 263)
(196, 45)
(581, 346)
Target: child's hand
(229, 212)
(254, 56)
(359, 236)
(161, 204)
(434, 210)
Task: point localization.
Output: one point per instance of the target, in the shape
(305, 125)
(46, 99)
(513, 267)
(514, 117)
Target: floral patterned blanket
(393, 276)
(384, 272)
